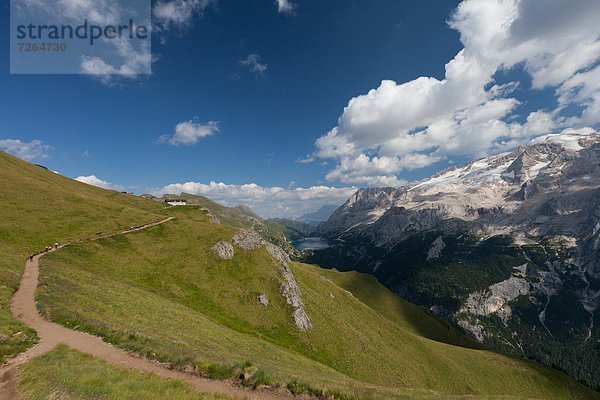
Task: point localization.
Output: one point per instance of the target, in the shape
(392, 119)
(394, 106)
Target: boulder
(224, 250)
(263, 299)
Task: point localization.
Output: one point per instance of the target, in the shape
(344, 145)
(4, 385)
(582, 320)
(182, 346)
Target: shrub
(218, 372)
(301, 388)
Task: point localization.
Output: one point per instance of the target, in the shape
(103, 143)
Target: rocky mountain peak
(481, 189)
(370, 197)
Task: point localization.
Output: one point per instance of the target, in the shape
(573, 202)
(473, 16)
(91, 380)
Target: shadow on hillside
(411, 317)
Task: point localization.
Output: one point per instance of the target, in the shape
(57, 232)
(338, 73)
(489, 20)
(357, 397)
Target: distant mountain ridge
(306, 225)
(316, 217)
(508, 247)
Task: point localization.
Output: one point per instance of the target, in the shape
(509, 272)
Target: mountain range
(505, 247)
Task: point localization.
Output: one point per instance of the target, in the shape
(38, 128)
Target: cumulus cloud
(131, 63)
(286, 7)
(306, 160)
(190, 132)
(28, 151)
(266, 201)
(95, 181)
(403, 126)
(178, 14)
(255, 64)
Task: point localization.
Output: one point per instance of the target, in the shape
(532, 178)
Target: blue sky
(266, 85)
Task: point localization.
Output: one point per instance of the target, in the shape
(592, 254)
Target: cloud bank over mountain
(268, 202)
(404, 126)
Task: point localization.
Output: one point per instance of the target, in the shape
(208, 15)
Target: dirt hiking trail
(24, 308)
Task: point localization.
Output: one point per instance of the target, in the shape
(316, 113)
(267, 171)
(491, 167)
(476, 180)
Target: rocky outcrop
(435, 251)
(224, 250)
(248, 241)
(495, 299)
(474, 328)
(211, 217)
(289, 288)
(263, 299)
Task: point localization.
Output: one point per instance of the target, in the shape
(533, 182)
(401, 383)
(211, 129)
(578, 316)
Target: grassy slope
(68, 374)
(163, 293)
(40, 208)
(368, 290)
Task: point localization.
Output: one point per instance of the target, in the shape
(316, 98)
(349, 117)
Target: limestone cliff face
(289, 287)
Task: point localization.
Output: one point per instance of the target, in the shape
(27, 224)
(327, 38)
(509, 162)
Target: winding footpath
(24, 308)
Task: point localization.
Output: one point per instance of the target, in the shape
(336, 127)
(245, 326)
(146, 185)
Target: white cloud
(190, 132)
(95, 181)
(74, 11)
(403, 126)
(306, 160)
(96, 11)
(132, 63)
(121, 58)
(286, 7)
(28, 151)
(178, 13)
(254, 64)
(368, 171)
(266, 201)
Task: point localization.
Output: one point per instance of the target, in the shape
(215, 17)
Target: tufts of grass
(258, 378)
(300, 389)
(67, 374)
(245, 373)
(218, 372)
(304, 389)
